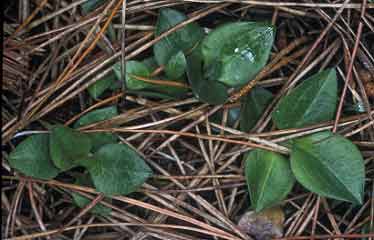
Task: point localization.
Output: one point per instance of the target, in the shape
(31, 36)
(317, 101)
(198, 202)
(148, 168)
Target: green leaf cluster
(324, 163)
(114, 169)
(210, 64)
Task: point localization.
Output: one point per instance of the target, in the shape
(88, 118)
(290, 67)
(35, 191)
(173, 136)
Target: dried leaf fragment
(264, 225)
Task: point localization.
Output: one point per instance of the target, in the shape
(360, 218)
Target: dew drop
(248, 55)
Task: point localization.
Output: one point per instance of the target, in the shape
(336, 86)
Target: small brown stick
(279, 149)
(27, 21)
(288, 4)
(138, 203)
(315, 217)
(123, 45)
(10, 223)
(87, 208)
(342, 236)
(330, 216)
(186, 177)
(34, 208)
(188, 127)
(98, 225)
(161, 82)
(157, 71)
(73, 65)
(201, 189)
(349, 73)
(99, 104)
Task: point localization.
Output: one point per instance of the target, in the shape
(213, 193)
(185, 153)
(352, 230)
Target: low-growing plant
(210, 65)
(325, 163)
(113, 168)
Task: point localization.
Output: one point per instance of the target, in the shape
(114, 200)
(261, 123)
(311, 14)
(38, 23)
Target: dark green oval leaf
(31, 157)
(269, 178)
(253, 105)
(98, 139)
(182, 40)
(67, 146)
(118, 170)
(81, 201)
(329, 165)
(139, 69)
(133, 69)
(150, 63)
(99, 87)
(176, 66)
(237, 51)
(97, 116)
(313, 101)
(211, 92)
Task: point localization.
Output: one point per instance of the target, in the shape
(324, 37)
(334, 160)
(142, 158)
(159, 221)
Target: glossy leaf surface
(237, 51)
(313, 101)
(269, 178)
(330, 165)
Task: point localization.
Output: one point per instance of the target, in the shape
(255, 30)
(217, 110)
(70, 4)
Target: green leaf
(99, 87)
(67, 146)
(150, 63)
(140, 69)
(118, 170)
(237, 51)
(182, 40)
(211, 92)
(91, 5)
(97, 116)
(253, 105)
(31, 157)
(98, 139)
(269, 178)
(313, 101)
(176, 66)
(133, 69)
(329, 165)
(81, 201)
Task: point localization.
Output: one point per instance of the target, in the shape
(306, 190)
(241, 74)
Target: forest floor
(55, 53)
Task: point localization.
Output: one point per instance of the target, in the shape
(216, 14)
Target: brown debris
(264, 225)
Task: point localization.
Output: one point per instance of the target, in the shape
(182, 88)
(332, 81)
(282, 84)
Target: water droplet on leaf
(248, 55)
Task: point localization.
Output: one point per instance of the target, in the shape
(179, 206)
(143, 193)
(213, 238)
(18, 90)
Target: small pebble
(264, 225)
